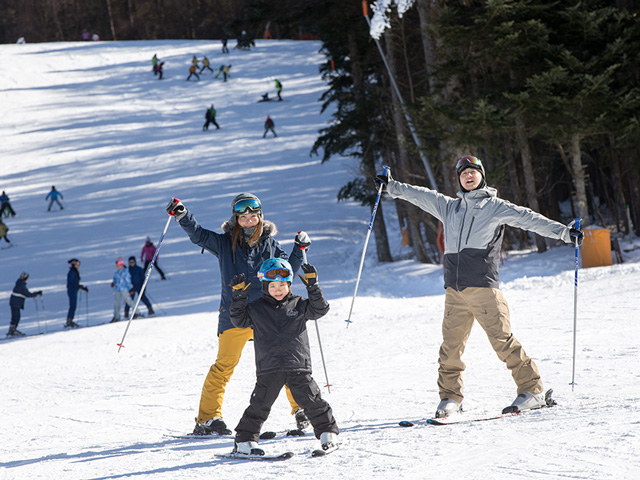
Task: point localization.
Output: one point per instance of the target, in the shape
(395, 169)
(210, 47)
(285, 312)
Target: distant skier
(225, 72)
(205, 65)
(224, 45)
(194, 61)
(269, 125)
(210, 116)
(5, 205)
(3, 232)
(122, 287)
(73, 285)
(160, 70)
(148, 251)
(16, 302)
(154, 64)
(279, 89)
(265, 98)
(282, 352)
(54, 194)
(192, 71)
(86, 36)
(137, 280)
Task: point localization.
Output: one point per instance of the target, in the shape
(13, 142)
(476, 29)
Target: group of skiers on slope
(126, 283)
(257, 303)
(210, 118)
(6, 210)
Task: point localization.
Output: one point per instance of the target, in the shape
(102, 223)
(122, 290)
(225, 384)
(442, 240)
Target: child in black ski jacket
(282, 351)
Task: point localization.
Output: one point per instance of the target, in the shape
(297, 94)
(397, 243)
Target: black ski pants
(305, 392)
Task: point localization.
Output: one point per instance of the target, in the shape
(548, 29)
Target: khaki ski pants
(230, 345)
(489, 308)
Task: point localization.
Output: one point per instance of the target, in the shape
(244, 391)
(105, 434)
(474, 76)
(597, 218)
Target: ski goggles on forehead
(247, 205)
(281, 274)
(468, 161)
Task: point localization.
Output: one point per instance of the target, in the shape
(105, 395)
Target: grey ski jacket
(280, 328)
(473, 230)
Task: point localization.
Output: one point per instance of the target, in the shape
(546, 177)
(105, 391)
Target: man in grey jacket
(474, 225)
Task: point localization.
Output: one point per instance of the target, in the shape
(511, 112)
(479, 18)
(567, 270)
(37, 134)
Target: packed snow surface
(91, 119)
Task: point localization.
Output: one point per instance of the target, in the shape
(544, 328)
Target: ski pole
(144, 285)
(35, 300)
(385, 170)
(324, 365)
(575, 306)
(44, 314)
(156, 303)
(86, 308)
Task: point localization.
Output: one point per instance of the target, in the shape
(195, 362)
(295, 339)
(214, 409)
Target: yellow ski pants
(230, 345)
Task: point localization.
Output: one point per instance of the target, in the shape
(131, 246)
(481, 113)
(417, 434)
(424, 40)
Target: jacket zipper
(469, 232)
(460, 242)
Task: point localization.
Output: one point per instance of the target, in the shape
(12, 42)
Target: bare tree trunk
(413, 213)
(113, 28)
(368, 161)
(578, 180)
(529, 177)
(130, 11)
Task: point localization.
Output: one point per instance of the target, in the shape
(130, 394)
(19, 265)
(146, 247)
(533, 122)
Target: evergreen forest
(545, 92)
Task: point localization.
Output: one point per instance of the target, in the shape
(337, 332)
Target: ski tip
(267, 435)
(296, 432)
(405, 423)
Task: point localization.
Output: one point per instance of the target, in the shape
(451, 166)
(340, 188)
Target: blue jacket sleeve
(202, 237)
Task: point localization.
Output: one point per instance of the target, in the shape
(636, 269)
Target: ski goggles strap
(247, 205)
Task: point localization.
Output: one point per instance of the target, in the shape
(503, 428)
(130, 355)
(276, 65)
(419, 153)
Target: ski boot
(247, 448)
(448, 407)
(302, 421)
(210, 427)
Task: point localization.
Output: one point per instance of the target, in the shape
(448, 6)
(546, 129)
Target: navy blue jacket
(20, 292)
(137, 277)
(244, 260)
(73, 281)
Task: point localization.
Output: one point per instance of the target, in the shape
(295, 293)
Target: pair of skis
(282, 456)
(461, 418)
(264, 436)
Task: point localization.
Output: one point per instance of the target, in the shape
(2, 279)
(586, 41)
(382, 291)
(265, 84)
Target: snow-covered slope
(91, 119)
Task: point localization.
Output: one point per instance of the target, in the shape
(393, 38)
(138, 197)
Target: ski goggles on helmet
(278, 274)
(275, 269)
(469, 161)
(247, 206)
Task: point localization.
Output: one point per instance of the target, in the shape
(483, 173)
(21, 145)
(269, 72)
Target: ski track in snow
(91, 119)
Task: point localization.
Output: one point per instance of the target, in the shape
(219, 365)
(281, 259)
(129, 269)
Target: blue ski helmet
(275, 270)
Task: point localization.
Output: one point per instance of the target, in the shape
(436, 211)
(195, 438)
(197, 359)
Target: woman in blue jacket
(73, 285)
(16, 302)
(245, 242)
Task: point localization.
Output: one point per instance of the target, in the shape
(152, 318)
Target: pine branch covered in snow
(381, 10)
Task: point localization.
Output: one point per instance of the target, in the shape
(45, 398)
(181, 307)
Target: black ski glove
(577, 233)
(82, 287)
(310, 275)
(383, 179)
(302, 240)
(132, 292)
(176, 209)
(38, 293)
(239, 287)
